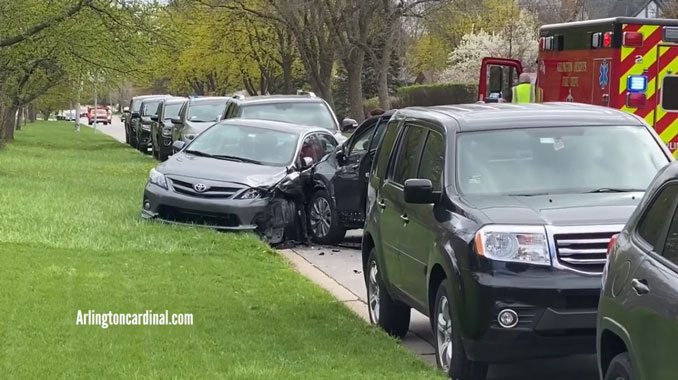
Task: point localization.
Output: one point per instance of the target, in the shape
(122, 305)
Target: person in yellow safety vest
(524, 92)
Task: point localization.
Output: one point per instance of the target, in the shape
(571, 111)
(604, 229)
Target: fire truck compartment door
(497, 76)
(600, 93)
(666, 93)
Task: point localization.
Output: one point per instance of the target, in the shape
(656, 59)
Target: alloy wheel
(321, 217)
(373, 292)
(444, 334)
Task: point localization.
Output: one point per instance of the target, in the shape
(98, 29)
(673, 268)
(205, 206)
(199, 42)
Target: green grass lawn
(71, 239)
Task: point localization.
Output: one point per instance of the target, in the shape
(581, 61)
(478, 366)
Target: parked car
(133, 122)
(147, 111)
(196, 116)
(239, 175)
(161, 127)
(638, 310)
(296, 109)
(100, 115)
(494, 221)
(339, 193)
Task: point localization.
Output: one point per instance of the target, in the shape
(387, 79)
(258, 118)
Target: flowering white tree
(517, 40)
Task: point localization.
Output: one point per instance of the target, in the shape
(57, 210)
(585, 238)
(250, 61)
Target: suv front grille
(583, 251)
(186, 188)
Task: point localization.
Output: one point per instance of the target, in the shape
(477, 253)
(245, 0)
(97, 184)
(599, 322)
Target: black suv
(161, 127)
(494, 221)
(638, 311)
(337, 202)
(296, 109)
(133, 120)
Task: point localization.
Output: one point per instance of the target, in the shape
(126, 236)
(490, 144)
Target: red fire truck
(625, 63)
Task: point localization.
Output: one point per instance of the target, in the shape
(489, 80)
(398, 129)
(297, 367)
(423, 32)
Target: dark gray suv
(638, 311)
(494, 221)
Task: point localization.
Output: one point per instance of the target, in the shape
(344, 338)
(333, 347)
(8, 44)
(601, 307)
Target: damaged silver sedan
(240, 175)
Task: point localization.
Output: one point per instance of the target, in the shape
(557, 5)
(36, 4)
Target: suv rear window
(534, 161)
(315, 114)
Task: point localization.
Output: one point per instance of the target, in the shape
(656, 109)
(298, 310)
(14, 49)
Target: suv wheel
(620, 368)
(390, 315)
(450, 355)
(323, 219)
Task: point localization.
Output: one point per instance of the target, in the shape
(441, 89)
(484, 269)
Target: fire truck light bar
(637, 83)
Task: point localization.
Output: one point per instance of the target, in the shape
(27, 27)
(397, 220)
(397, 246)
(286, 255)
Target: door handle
(640, 286)
(404, 218)
(381, 204)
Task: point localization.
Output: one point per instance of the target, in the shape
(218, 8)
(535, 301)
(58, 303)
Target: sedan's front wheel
(450, 354)
(390, 315)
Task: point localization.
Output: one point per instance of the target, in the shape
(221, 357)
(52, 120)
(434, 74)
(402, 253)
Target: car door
(394, 219)
(350, 175)
(419, 233)
(649, 297)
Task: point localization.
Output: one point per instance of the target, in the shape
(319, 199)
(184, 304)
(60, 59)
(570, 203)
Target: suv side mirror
(177, 121)
(154, 118)
(419, 191)
(348, 125)
(178, 145)
(136, 114)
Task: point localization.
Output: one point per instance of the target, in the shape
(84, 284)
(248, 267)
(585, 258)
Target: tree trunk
(287, 62)
(33, 113)
(20, 118)
(8, 123)
(384, 66)
(354, 69)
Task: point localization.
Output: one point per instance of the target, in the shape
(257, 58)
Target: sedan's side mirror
(154, 118)
(348, 125)
(178, 146)
(419, 191)
(177, 121)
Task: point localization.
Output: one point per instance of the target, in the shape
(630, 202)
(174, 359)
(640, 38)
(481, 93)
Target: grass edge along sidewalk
(71, 239)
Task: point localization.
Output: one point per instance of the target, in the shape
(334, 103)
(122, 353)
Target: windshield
(303, 113)
(150, 108)
(206, 112)
(265, 146)
(557, 160)
(172, 111)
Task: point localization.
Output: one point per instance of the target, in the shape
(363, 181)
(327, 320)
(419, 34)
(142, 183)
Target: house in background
(596, 9)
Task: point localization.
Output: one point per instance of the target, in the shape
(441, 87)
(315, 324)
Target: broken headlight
(253, 194)
(521, 244)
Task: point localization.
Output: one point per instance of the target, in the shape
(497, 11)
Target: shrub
(436, 94)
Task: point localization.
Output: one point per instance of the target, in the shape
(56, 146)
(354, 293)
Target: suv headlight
(252, 194)
(520, 244)
(157, 178)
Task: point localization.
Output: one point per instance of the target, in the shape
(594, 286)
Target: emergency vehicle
(625, 63)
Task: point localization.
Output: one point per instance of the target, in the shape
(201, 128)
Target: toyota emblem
(200, 187)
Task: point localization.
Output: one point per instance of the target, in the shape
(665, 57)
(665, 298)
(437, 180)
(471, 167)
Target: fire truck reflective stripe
(646, 30)
(629, 66)
(667, 59)
(667, 126)
(673, 66)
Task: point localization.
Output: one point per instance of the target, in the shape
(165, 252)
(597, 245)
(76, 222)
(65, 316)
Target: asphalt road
(343, 264)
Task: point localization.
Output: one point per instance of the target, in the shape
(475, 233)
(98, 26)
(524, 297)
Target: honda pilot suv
(494, 221)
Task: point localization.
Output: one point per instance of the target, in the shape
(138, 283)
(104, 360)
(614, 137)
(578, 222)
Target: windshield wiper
(615, 190)
(199, 153)
(234, 158)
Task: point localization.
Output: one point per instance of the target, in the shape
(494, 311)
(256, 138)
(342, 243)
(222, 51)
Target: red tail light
(633, 39)
(636, 100)
(610, 245)
(607, 39)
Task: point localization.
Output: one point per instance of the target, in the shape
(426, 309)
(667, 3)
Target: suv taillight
(610, 245)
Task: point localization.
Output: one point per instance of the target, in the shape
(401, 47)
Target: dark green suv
(494, 220)
(638, 311)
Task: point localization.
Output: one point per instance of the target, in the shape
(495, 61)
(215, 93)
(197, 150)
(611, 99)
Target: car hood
(197, 126)
(557, 209)
(188, 165)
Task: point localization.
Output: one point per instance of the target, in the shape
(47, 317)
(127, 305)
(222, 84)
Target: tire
(392, 316)
(620, 368)
(127, 137)
(323, 219)
(450, 354)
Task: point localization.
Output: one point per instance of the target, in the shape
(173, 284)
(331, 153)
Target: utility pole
(77, 107)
